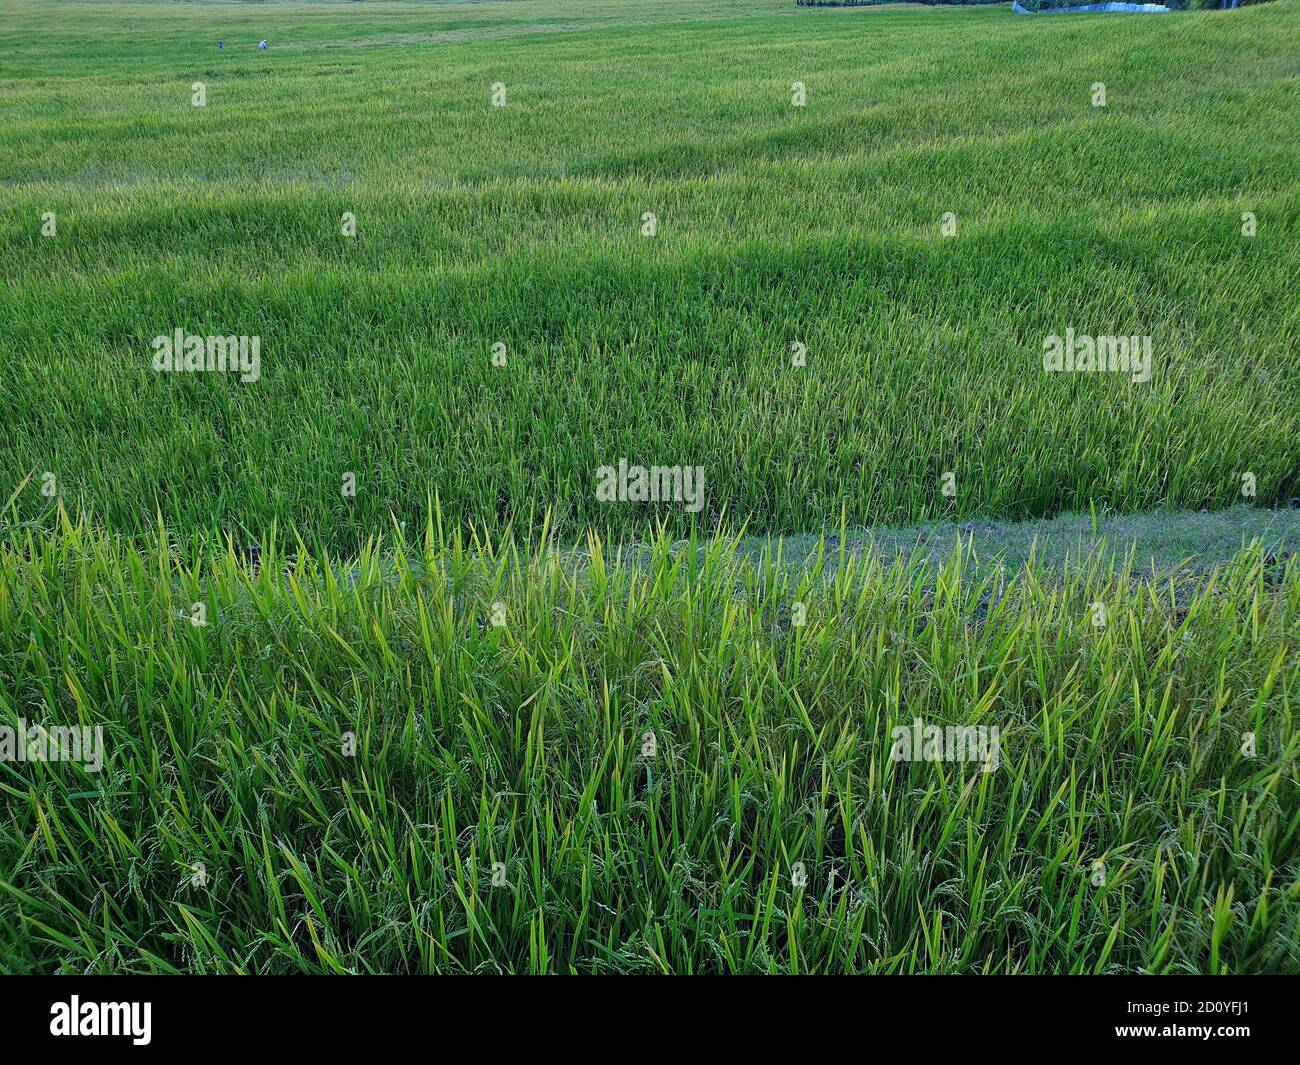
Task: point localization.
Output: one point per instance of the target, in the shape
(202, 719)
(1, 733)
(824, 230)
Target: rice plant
(460, 754)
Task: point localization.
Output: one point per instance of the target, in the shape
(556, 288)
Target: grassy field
(521, 225)
(384, 684)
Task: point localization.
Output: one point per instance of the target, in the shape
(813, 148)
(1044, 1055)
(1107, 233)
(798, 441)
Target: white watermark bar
(53, 743)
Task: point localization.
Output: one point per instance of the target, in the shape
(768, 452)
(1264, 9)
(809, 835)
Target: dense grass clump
(521, 225)
(662, 768)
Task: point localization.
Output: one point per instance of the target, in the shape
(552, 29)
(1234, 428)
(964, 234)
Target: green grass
(523, 744)
(521, 225)
(324, 775)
